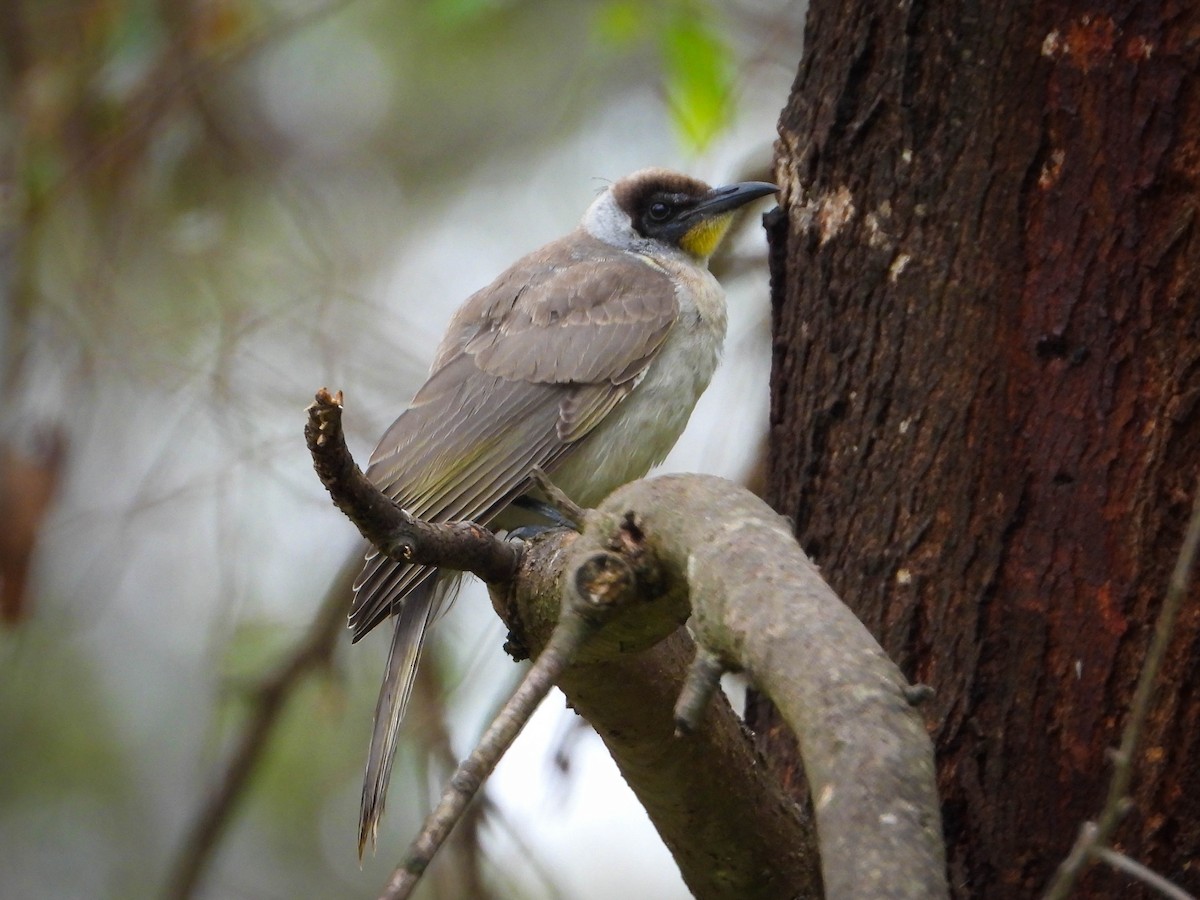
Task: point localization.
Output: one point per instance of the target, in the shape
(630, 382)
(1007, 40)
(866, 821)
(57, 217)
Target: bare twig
(603, 584)
(703, 680)
(463, 546)
(1095, 836)
(314, 652)
(1147, 876)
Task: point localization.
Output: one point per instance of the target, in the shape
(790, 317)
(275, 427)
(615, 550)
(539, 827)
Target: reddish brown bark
(985, 419)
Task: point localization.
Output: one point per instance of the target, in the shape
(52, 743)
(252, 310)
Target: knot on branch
(603, 582)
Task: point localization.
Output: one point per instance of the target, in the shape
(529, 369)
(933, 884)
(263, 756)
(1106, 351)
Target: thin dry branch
(463, 545)
(1137, 871)
(601, 586)
(1096, 835)
(267, 702)
(604, 585)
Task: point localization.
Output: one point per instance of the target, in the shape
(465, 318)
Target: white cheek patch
(608, 222)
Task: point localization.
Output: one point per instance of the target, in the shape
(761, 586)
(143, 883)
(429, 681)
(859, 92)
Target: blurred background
(208, 210)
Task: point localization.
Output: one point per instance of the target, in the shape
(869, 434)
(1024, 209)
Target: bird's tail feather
(417, 611)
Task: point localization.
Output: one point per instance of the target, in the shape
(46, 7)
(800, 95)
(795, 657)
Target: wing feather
(577, 312)
(493, 452)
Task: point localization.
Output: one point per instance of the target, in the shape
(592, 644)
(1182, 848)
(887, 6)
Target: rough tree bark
(984, 415)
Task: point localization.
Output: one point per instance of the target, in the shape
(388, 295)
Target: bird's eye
(659, 212)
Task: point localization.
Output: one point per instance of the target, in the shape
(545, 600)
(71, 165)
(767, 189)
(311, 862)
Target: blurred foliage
(65, 768)
(697, 62)
(140, 121)
(311, 746)
(77, 750)
(209, 208)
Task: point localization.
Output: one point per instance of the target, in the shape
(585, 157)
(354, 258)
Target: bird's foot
(529, 532)
(557, 507)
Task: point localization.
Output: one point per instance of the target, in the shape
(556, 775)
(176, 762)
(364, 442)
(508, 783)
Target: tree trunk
(984, 400)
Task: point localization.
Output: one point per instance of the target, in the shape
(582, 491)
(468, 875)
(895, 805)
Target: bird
(584, 359)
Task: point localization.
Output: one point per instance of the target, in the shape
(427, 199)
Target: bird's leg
(557, 507)
(546, 511)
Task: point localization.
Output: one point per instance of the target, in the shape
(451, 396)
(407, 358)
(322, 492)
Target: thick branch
(759, 604)
(463, 546)
(732, 830)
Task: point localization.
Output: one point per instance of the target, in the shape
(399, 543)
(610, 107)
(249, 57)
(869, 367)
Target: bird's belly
(642, 429)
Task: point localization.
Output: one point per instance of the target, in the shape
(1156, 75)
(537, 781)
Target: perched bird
(584, 359)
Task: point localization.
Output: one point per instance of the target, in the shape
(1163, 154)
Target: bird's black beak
(729, 197)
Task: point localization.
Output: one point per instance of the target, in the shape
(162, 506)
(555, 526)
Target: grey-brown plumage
(584, 359)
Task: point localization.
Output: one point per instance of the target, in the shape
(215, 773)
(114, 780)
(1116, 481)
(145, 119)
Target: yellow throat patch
(704, 237)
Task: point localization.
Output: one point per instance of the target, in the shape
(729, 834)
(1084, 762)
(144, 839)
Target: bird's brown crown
(653, 197)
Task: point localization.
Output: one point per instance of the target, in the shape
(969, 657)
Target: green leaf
(698, 70)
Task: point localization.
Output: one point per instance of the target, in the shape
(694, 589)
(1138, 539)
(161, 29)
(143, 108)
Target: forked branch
(698, 546)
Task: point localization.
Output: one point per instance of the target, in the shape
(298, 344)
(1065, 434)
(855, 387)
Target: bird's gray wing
(530, 364)
(458, 459)
(579, 311)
